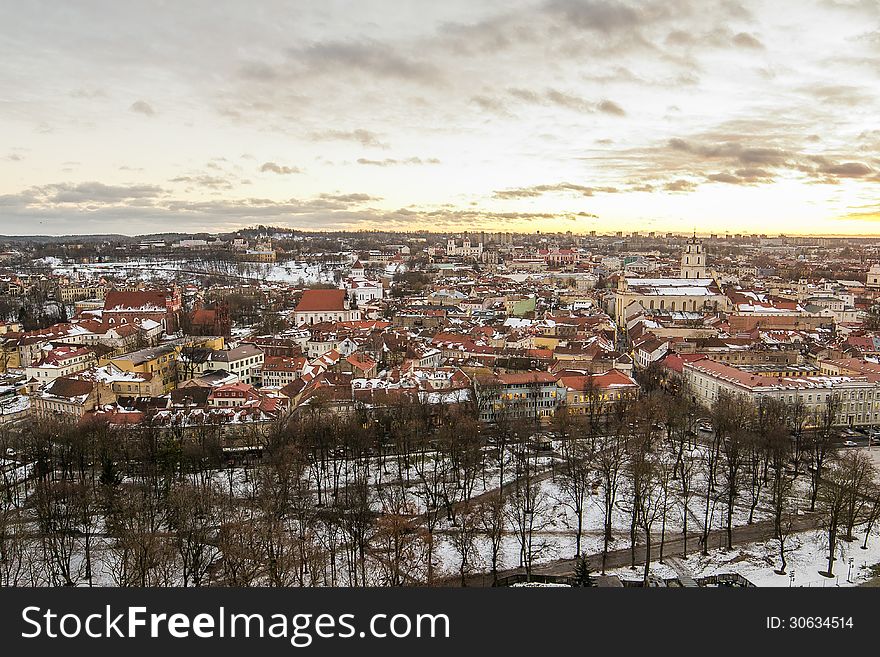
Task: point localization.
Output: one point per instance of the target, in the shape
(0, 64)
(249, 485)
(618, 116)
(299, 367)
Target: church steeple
(693, 259)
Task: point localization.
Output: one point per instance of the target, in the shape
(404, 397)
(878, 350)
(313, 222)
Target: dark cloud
(142, 107)
(680, 38)
(540, 190)
(680, 185)
(331, 211)
(273, 167)
(749, 176)
(490, 104)
(724, 177)
(848, 170)
(610, 107)
(754, 175)
(730, 150)
(351, 198)
(92, 192)
(599, 15)
(360, 136)
(208, 182)
(737, 152)
(569, 101)
(744, 40)
(554, 97)
(390, 162)
(373, 57)
(526, 95)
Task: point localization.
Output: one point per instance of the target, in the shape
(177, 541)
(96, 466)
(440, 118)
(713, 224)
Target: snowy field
(806, 554)
(168, 269)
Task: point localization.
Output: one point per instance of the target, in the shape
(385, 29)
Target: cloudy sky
(552, 115)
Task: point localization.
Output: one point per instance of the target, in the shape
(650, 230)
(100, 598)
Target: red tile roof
(283, 363)
(145, 299)
(611, 378)
(675, 362)
(317, 300)
(526, 377)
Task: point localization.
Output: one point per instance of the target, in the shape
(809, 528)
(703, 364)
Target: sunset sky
(557, 115)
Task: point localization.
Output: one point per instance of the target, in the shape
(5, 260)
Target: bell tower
(693, 259)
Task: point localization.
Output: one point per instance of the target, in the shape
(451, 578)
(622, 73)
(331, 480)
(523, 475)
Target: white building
(244, 362)
(318, 306)
(874, 276)
(363, 291)
(61, 361)
(859, 395)
(466, 250)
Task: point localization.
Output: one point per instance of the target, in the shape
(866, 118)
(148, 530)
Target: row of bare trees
(366, 498)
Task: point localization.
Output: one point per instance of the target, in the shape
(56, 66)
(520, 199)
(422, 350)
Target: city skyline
(560, 115)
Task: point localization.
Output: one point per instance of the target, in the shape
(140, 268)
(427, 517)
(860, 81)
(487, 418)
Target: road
(674, 547)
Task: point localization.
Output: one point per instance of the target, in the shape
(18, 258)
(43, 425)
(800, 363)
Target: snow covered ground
(806, 554)
(166, 269)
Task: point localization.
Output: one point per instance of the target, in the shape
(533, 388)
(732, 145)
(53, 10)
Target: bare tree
(609, 463)
(872, 513)
(395, 544)
(730, 414)
(58, 518)
(464, 538)
(822, 443)
(785, 529)
(575, 482)
(733, 449)
(797, 416)
(527, 506)
(192, 516)
(238, 544)
(665, 470)
(652, 502)
(139, 553)
(357, 525)
(492, 522)
(687, 469)
(861, 474)
(834, 491)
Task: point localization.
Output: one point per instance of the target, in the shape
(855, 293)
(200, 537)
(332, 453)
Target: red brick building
(160, 306)
(211, 321)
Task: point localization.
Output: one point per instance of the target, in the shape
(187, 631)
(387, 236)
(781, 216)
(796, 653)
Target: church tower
(693, 259)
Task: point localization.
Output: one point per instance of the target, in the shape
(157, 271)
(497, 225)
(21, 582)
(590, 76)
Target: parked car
(850, 443)
(705, 426)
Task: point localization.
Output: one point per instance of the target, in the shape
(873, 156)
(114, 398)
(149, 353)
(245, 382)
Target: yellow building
(10, 327)
(695, 291)
(161, 361)
(9, 356)
(114, 382)
(545, 342)
(74, 292)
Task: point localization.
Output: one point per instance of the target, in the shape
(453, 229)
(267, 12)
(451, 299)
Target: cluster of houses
(509, 330)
